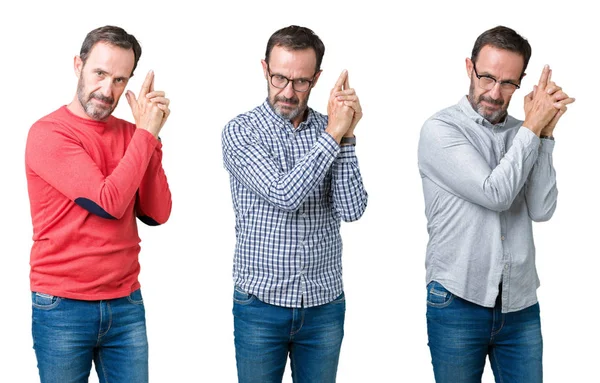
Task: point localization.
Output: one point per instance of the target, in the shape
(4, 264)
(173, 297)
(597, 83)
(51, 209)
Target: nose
(106, 87)
(495, 92)
(288, 91)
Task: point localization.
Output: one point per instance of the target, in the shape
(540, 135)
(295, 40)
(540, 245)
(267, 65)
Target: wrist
(335, 133)
(534, 126)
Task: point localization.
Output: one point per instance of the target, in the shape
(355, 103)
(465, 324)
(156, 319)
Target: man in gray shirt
(486, 176)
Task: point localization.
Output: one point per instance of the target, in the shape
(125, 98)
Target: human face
(502, 65)
(293, 64)
(102, 80)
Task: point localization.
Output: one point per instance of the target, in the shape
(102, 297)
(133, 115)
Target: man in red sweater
(89, 176)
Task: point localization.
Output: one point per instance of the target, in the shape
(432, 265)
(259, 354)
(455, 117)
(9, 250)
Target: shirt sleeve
(348, 193)
(59, 158)
(153, 204)
(250, 162)
(450, 160)
(540, 190)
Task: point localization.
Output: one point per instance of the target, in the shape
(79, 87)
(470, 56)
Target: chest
(491, 143)
(106, 149)
(288, 147)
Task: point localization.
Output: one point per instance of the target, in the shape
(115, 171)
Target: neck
(76, 108)
(301, 117)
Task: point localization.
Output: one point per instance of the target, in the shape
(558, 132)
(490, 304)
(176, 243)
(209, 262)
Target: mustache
(292, 100)
(102, 98)
(491, 100)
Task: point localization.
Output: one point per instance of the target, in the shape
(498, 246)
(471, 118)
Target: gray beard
(494, 117)
(95, 112)
(292, 114)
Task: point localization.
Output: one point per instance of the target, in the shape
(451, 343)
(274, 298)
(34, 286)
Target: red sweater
(87, 181)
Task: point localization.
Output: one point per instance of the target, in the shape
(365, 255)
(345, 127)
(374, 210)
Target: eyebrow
(104, 71)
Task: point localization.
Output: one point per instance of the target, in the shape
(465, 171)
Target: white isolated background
(406, 62)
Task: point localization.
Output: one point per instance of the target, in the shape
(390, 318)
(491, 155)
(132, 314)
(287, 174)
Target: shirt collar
(266, 107)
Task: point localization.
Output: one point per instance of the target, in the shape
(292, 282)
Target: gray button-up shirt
(483, 185)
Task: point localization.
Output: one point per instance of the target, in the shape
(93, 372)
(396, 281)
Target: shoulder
(47, 136)
(444, 120)
(49, 125)
(244, 125)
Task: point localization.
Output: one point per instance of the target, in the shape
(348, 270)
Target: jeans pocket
(44, 301)
(438, 296)
(241, 297)
(136, 297)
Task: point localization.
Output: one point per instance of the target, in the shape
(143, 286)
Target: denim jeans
(68, 334)
(462, 334)
(266, 334)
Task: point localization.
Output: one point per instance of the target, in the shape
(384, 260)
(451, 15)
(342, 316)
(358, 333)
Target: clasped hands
(151, 108)
(545, 105)
(343, 109)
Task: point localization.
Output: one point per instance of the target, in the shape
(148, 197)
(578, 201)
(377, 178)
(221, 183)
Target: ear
(265, 69)
(316, 78)
(469, 66)
(77, 66)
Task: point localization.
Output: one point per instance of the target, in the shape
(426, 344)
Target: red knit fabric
(109, 165)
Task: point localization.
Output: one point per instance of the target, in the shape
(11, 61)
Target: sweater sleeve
(59, 157)
(153, 204)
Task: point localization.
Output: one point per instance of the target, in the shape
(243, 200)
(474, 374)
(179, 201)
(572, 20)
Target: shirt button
(502, 238)
(506, 267)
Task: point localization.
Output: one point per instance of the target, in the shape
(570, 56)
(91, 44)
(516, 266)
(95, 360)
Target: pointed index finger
(544, 77)
(347, 82)
(148, 83)
(340, 81)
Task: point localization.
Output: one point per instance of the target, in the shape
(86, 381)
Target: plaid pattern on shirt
(290, 189)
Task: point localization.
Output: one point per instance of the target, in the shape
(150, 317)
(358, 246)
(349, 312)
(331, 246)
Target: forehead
(501, 63)
(112, 59)
(293, 63)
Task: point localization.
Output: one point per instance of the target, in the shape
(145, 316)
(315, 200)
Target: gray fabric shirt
(483, 185)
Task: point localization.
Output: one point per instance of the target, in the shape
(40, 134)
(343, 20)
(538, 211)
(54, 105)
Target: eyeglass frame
(479, 76)
(292, 80)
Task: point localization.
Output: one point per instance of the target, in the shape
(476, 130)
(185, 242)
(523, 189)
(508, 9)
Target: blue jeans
(462, 334)
(266, 334)
(68, 334)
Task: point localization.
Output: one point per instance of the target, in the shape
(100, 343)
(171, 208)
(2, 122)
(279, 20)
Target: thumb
(131, 100)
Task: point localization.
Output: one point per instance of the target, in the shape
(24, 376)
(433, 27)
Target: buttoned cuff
(546, 146)
(347, 153)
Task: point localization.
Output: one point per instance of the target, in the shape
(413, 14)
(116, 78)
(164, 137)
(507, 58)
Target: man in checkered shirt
(294, 176)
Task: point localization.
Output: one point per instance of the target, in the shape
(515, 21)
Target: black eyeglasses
(298, 84)
(488, 82)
